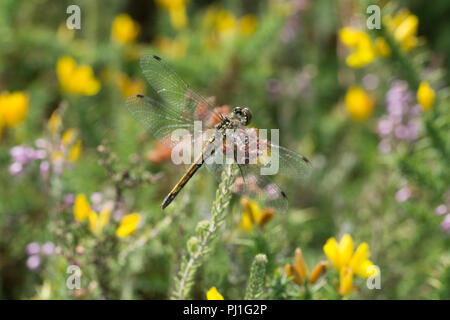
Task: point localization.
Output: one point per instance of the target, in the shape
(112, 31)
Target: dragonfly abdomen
(188, 175)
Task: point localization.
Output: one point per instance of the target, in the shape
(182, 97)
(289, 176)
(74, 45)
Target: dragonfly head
(243, 115)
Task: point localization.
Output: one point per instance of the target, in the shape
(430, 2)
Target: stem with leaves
(257, 274)
(199, 245)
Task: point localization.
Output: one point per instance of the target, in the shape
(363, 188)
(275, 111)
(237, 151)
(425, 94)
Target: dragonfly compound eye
(247, 116)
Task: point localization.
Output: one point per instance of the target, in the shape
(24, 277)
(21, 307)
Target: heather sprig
(206, 231)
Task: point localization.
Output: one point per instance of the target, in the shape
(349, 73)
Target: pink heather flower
(445, 225)
(32, 248)
(441, 210)
(15, 169)
(400, 124)
(44, 168)
(40, 154)
(33, 262)
(48, 248)
(401, 132)
(385, 126)
(403, 194)
(69, 199)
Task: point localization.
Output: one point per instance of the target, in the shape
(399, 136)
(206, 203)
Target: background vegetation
(81, 181)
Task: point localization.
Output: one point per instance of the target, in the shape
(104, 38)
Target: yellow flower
(74, 152)
(124, 29)
(364, 51)
(1, 125)
(177, 11)
(76, 79)
(253, 215)
(54, 123)
(348, 263)
(81, 208)
(68, 136)
(341, 255)
(346, 281)
(128, 86)
(13, 108)
(248, 24)
(403, 26)
(98, 221)
(318, 271)
(359, 104)
(213, 294)
(128, 225)
(299, 270)
(175, 48)
(425, 95)
(383, 48)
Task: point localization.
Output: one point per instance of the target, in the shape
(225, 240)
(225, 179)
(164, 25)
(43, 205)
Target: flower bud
(318, 271)
(193, 245)
(202, 228)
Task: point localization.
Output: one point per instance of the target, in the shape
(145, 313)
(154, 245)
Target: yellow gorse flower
(252, 214)
(13, 108)
(318, 271)
(128, 225)
(225, 24)
(97, 221)
(76, 79)
(359, 104)
(54, 123)
(299, 270)
(175, 48)
(213, 294)
(248, 24)
(382, 47)
(345, 281)
(177, 11)
(124, 29)
(348, 262)
(81, 208)
(425, 96)
(71, 148)
(364, 51)
(403, 27)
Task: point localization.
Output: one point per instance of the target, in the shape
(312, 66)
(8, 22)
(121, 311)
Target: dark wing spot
(283, 194)
(306, 160)
(139, 96)
(157, 58)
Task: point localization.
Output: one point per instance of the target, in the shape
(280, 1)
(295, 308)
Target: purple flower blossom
(441, 210)
(445, 225)
(69, 199)
(403, 194)
(33, 248)
(40, 143)
(48, 248)
(15, 169)
(400, 124)
(44, 168)
(33, 262)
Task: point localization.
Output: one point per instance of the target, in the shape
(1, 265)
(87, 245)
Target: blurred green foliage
(291, 72)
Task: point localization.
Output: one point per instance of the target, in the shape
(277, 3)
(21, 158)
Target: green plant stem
(257, 276)
(183, 282)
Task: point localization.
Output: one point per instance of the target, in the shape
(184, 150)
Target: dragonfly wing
(174, 91)
(160, 119)
(270, 158)
(249, 181)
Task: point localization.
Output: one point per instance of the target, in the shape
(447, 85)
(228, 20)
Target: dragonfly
(177, 106)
